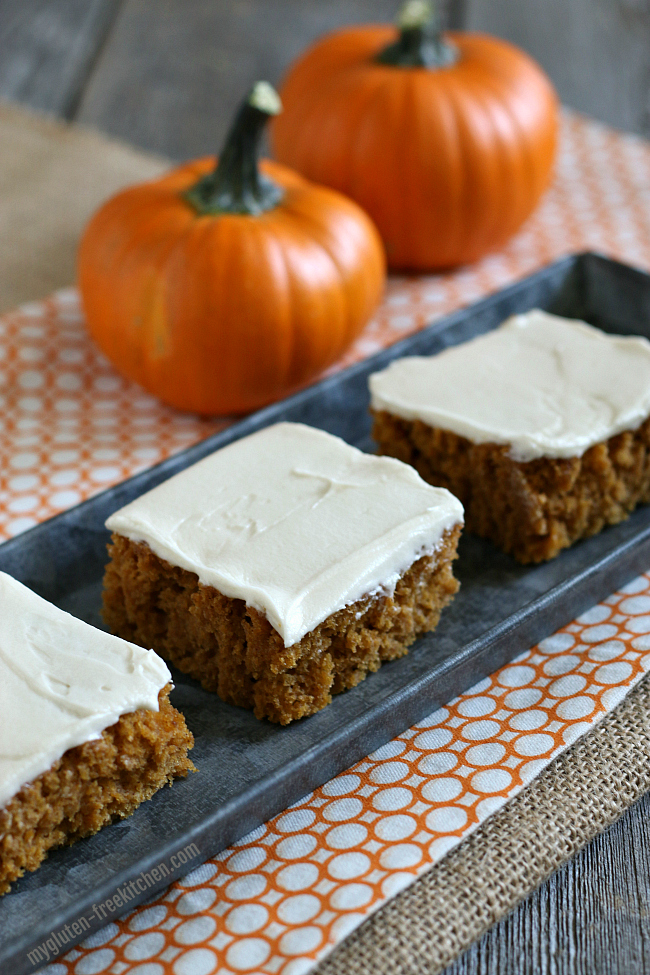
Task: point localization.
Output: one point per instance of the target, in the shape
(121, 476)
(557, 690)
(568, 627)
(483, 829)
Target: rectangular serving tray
(249, 770)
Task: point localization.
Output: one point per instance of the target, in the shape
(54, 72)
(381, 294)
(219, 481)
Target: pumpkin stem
(421, 43)
(236, 185)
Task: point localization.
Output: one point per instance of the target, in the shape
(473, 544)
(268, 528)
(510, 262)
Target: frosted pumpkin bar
(540, 427)
(87, 730)
(283, 568)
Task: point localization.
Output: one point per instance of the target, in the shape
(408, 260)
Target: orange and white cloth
(283, 896)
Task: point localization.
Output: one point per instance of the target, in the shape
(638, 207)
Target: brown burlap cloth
(52, 176)
(577, 796)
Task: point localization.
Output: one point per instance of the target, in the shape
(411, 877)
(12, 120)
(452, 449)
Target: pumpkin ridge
(502, 78)
(337, 91)
(368, 188)
(346, 284)
(145, 333)
(162, 348)
(277, 365)
(359, 295)
(330, 309)
(440, 111)
(525, 162)
(365, 100)
(290, 377)
(519, 150)
(480, 201)
(511, 202)
(126, 257)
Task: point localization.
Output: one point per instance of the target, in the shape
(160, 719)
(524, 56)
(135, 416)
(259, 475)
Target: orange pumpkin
(447, 141)
(222, 289)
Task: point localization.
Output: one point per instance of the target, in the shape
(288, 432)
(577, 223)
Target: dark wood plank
(48, 48)
(172, 73)
(598, 54)
(591, 918)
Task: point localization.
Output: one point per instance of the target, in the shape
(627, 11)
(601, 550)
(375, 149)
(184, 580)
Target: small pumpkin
(446, 140)
(220, 288)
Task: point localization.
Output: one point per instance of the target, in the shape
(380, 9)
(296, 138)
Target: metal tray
(250, 770)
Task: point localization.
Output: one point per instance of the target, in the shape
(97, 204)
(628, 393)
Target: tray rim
(257, 419)
(636, 550)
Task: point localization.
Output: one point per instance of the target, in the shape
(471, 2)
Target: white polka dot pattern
(295, 886)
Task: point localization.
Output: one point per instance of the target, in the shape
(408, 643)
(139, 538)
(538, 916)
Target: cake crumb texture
(533, 509)
(93, 784)
(232, 649)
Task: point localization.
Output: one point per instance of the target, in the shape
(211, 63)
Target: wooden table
(166, 75)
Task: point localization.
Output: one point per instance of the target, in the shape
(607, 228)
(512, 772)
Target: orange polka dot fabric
(283, 896)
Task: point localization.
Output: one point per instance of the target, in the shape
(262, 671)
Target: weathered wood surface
(48, 48)
(596, 51)
(165, 75)
(591, 918)
(173, 73)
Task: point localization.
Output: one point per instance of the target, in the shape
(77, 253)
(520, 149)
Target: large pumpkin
(222, 289)
(447, 141)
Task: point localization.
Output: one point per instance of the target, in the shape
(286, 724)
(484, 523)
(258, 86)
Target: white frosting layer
(548, 386)
(294, 521)
(62, 682)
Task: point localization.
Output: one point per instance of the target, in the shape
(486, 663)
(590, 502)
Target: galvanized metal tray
(250, 770)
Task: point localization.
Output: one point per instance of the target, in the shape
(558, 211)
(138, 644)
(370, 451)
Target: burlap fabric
(578, 795)
(52, 177)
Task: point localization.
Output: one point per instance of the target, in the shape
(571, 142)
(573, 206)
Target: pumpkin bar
(87, 730)
(283, 568)
(541, 428)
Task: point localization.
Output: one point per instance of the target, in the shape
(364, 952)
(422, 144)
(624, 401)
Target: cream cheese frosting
(545, 385)
(294, 521)
(62, 682)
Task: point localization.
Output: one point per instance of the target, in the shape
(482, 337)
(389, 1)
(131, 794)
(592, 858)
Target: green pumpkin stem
(421, 43)
(236, 185)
